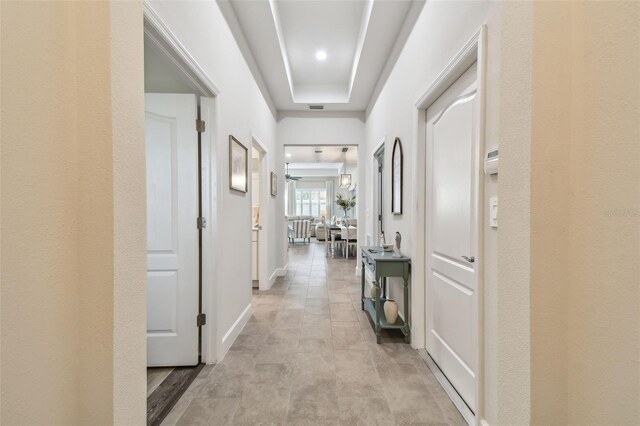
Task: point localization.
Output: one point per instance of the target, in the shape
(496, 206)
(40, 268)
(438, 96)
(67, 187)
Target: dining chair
(349, 236)
(337, 241)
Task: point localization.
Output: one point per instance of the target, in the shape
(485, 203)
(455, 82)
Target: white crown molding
(166, 40)
(364, 27)
(283, 47)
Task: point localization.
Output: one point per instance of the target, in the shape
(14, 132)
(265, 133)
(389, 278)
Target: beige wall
(40, 274)
(585, 188)
(550, 205)
(130, 214)
(509, 373)
(604, 302)
(62, 108)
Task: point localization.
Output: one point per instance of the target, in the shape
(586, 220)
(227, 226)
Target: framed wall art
(238, 165)
(396, 178)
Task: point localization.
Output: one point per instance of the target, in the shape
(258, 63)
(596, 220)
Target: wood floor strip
(162, 400)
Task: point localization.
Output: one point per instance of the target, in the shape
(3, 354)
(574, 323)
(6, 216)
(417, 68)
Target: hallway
(308, 356)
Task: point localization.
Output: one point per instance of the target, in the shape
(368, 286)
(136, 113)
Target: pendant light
(345, 178)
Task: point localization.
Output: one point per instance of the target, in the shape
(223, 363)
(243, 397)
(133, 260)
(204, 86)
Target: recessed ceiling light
(288, 154)
(321, 55)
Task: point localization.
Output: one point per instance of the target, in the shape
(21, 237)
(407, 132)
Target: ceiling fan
(288, 177)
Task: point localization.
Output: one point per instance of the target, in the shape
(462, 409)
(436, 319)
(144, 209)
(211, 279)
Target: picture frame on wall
(238, 165)
(396, 177)
(274, 184)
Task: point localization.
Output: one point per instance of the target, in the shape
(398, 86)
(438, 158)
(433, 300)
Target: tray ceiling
(284, 42)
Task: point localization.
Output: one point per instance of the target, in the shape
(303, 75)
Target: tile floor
(308, 357)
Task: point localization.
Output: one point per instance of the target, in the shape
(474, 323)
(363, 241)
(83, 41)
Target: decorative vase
(391, 311)
(374, 293)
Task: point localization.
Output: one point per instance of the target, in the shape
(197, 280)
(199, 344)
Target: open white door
(452, 279)
(172, 235)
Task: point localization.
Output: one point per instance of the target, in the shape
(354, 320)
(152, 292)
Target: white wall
(440, 32)
(241, 111)
(301, 128)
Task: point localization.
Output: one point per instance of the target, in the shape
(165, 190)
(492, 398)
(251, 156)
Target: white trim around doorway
(375, 191)
(170, 46)
(265, 279)
(473, 51)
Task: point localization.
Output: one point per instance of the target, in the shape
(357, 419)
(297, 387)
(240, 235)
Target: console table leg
(377, 291)
(407, 308)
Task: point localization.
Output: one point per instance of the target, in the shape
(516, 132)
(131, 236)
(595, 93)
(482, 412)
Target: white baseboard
(272, 279)
(483, 422)
(234, 331)
(279, 272)
(457, 400)
(283, 271)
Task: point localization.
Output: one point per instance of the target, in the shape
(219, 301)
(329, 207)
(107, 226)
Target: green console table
(384, 265)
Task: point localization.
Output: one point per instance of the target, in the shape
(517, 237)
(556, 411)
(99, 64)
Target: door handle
(469, 259)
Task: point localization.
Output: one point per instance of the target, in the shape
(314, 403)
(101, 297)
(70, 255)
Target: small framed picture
(396, 178)
(238, 165)
(274, 184)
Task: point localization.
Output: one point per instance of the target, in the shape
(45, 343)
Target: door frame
(265, 281)
(375, 191)
(473, 51)
(169, 45)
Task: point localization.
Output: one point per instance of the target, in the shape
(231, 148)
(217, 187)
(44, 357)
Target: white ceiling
(280, 39)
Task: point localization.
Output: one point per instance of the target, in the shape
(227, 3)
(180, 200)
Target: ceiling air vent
(316, 106)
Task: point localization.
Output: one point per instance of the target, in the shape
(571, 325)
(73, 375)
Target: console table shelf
(370, 307)
(384, 265)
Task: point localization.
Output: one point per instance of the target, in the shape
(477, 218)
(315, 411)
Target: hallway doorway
(179, 165)
(452, 235)
(260, 193)
(321, 196)
(450, 261)
(377, 193)
(173, 252)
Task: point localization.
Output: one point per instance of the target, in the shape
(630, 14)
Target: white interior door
(172, 235)
(452, 308)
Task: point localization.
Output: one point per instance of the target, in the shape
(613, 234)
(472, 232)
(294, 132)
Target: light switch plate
(493, 212)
